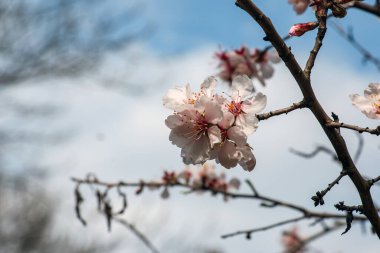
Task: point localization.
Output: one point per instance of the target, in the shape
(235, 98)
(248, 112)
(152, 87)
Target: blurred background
(81, 83)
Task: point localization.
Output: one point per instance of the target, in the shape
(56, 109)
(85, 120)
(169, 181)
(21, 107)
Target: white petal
(197, 151)
(242, 86)
(248, 162)
(236, 135)
(365, 105)
(174, 98)
(208, 86)
(266, 70)
(200, 104)
(214, 135)
(255, 104)
(247, 123)
(180, 135)
(227, 120)
(228, 155)
(213, 112)
(173, 121)
(373, 89)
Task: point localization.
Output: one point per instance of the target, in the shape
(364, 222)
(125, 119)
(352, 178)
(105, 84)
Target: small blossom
(292, 240)
(369, 104)
(169, 177)
(256, 64)
(301, 28)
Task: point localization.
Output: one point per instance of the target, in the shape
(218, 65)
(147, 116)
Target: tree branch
(318, 197)
(318, 44)
(375, 131)
(251, 231)
(304, 84)
(373, 9)
(286, 110)
(350, 38)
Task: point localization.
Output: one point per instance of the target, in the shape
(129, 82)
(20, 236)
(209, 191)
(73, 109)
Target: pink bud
(300, 29)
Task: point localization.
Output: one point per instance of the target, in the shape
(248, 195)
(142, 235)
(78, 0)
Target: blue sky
(184, 25)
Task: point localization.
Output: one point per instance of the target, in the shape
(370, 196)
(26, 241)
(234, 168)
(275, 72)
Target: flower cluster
(209, 126)
(253, 63)
(200, 178)
(369, 104)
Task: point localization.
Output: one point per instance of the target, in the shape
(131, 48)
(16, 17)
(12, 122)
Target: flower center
(376, 106)
(235, 108)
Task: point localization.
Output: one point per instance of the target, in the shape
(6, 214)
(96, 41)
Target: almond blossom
(369, 104)
(255, 64)
(209, 126)
(291, 240)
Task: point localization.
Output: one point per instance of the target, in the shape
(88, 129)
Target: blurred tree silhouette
(61, 37)
(27, 219)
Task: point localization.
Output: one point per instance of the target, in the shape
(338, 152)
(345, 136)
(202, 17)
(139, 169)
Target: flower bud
(301, 28)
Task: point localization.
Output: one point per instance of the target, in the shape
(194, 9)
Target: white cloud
(124, 137)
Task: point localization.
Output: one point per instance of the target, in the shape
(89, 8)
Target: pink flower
(369, 104)
(244, 106)
(301, 28)
(291, 240)
(256, 64)
(299, 6)
(195, 132)
(208, 126)
(182, 98)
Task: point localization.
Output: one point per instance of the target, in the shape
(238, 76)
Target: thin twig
(318, 44)
(140, 235)
(249, 232)
(375, 131)
(373, 9)
(286, 110)
(318, 197)
(373, 181)
(351, 39)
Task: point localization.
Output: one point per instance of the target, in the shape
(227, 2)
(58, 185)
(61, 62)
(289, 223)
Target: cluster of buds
(369, 104)
(338, 8)
(200, 178)
(208, 126)
(253, 63)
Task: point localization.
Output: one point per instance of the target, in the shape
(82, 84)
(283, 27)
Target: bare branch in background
(60, 38)
(348, 35)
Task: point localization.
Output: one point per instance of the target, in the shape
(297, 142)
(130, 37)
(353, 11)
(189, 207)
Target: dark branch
(373, 9)
(318, 197)
(140, 235)
(316, 108)
(351, 39)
